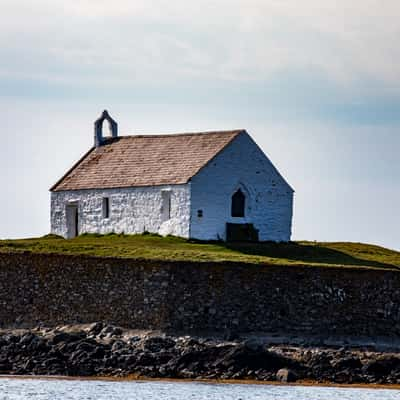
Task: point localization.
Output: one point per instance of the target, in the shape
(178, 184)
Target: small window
(166, 205)
(238, 204)
(133, 206)
(106, 207)
(200, 213)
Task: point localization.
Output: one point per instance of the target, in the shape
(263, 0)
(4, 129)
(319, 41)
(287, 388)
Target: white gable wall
(269, 199)
(132, 210)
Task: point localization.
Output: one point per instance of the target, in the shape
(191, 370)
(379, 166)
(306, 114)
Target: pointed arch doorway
(238, 205)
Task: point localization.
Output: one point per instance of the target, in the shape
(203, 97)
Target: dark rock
(81, 369)
(343, 376)
(56, 354)
(110, 331)
(242, 356)
(253, 344)
(145, 359)
(118, 345)
(156, 343)
(79, 357)
(27, 338)
(37, 345)
(99, 352)
(51, 362)
(10, 338)
(87, 345)
(95, 328)
(382, 367)
(67, 337)
(348, 362)
(134, 339)
(5, 367)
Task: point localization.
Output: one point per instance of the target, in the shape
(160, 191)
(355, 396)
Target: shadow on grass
(305, 253)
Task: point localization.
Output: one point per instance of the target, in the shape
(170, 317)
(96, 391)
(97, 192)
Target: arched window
(238, 204)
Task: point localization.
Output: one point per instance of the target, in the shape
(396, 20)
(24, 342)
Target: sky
(316, 84)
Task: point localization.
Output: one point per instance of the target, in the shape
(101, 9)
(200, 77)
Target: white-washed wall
(132, 210)
(269, 199)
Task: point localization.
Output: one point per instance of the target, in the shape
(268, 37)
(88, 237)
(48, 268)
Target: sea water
(43, 389)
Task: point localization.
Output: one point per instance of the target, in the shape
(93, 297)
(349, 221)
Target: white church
(206, 186)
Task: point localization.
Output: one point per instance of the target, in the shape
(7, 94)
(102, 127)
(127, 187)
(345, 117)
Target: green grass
(153, 247)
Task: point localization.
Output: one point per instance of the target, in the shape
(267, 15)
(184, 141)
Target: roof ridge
(160, 135)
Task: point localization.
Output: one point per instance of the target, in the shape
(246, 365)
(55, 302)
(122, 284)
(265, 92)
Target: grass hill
(154, 247)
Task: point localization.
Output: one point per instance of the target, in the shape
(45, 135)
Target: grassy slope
(171, 248)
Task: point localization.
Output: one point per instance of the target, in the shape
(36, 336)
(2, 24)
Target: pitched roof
(146, 160)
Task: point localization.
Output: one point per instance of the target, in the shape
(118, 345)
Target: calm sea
(37, 389)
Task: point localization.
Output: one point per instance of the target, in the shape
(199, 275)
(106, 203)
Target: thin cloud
(164, 41)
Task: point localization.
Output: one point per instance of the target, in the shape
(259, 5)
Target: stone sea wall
(51, 290)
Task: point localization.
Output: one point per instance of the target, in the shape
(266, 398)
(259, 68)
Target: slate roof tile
(145, 160)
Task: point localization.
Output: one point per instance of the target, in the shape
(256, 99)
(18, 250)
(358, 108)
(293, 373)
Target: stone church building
(208, 186)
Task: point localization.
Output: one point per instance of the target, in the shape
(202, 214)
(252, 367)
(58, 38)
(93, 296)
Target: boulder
(67, 337)
(155, 344)
(27, 338)
(110, 331)
(95, 328)
(286, 375)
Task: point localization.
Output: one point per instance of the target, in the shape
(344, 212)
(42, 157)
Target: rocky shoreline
(106, 350)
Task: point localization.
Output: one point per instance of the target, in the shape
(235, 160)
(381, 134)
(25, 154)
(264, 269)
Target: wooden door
(72, 221)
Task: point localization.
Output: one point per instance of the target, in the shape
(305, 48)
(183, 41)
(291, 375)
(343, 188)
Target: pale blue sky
(316, 85)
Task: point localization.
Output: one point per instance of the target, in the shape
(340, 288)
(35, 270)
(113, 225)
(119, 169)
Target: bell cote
(99, 135)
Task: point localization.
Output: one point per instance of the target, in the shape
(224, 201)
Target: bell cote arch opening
(100, 136)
